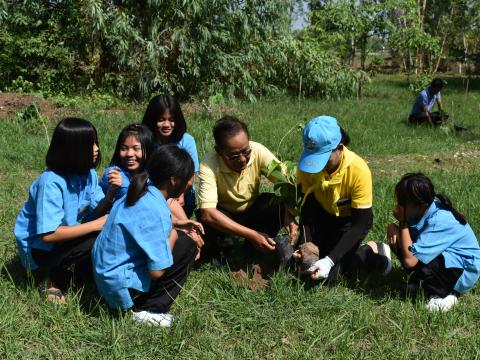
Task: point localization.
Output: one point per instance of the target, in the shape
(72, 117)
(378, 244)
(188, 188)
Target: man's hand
(263, 242)
(114, 178)
(321, 268)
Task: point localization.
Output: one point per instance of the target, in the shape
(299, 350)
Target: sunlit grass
(362, 317)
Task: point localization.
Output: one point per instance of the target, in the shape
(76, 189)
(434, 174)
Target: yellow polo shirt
(350, 186)
(233, 191)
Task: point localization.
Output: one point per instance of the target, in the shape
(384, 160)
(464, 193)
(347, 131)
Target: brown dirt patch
(11, 103)
(257, 282)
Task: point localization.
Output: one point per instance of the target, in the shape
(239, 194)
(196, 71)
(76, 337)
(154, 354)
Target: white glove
(321, 268)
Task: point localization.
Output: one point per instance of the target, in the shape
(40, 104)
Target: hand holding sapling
(321, 268)
(263, 242)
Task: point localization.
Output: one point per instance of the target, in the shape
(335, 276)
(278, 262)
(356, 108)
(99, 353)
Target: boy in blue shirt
(423, 106)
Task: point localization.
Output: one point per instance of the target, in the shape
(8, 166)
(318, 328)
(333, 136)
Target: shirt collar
(156, 193)
(433, 208)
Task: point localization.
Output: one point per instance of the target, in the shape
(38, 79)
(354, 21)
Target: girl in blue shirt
(140, 261)
(57, 226)
(434, 242)
(134, 146)
(165, 119)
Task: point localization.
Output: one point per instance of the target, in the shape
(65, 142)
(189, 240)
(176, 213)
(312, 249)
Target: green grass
(362, 317)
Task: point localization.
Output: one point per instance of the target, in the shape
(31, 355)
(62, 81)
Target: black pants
(326, 231)
(421, 118)
(69, 261)
(163, 291)
(265, 215)
(434, 277)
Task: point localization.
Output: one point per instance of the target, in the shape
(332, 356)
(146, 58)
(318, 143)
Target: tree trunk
(363, 44)
(445, 35)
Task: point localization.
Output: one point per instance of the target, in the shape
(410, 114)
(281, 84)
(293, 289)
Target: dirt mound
(11, 103)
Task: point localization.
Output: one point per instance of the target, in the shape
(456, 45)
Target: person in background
(423, 105)
(164, 118)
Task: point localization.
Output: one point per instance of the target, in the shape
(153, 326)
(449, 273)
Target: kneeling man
(230, 202)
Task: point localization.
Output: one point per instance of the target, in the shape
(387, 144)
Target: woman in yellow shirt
(337, 211)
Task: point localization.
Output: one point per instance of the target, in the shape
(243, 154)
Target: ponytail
(167, 162)
(137, 188)
(447, 204)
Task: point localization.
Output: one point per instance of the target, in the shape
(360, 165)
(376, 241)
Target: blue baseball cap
(320, 137)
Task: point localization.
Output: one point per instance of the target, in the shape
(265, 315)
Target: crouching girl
(434, 242)
(57, 226)
(140, 263)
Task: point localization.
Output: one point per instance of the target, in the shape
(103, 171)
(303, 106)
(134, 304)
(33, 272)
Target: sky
(300, 16)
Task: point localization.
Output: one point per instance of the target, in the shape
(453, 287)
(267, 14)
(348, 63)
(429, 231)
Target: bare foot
(374, 246)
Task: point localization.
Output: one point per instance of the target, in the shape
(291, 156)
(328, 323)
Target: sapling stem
(43, 123)
(284, 136)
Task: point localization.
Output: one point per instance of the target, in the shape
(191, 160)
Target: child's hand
(392, 235)
(115, 178)
(194, 229)
(100, 222)
(197, 256)
(197, 239)
(399, 213)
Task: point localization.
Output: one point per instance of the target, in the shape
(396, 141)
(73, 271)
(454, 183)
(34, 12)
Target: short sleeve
(362, 192)
(207, 187)
(49, 207)
(433, 240)
(424, 96)
(188, 143)
(158, 252)
(439, 97)
(265, 157)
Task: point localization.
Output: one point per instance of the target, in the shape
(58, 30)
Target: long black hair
(165, 163)
(417, 189)
(71, 148)
(155, 110)
(143, 135)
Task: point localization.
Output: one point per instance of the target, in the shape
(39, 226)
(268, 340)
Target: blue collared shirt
(425, 98)
(438, 232)
(133, 241)
(187, 142)
(122, 190)
(54, 200)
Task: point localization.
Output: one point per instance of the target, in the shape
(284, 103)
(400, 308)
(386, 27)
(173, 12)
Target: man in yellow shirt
(230, 201)
(337, 185)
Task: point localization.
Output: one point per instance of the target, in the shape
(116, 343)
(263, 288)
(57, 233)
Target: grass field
(216, 319)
